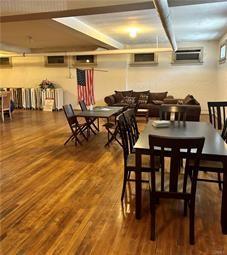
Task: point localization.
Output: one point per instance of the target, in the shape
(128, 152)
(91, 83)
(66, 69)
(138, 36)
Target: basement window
(5, 62)
(85, 60)
(144, 59)
(222, 56)
(188, 56)
(55, 61)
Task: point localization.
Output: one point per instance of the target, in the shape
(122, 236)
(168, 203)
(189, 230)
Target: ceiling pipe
(164, 14)
(94, 52)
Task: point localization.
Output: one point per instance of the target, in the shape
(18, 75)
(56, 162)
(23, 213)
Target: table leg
(224, 200)
(98, 123)
(138, 185)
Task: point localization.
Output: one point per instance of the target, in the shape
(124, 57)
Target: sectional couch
(152, 101)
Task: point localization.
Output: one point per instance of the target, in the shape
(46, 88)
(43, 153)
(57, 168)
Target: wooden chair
(112, 133)
(90, 121)
(75, 126)
(217, 114)
(174, 145)
(130, 158)
(113, 130)
(5, 104)
(173, 112)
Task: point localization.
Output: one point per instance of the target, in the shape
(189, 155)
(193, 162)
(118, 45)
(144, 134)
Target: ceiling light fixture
(133, 32)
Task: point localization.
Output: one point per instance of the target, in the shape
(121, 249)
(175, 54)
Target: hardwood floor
(59, 199)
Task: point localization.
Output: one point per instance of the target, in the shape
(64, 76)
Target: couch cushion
(119, 97)
(157, 96)
(125, 93)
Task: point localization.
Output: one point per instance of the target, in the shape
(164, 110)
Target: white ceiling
(199, 22)
(191, 22)
(117, 26)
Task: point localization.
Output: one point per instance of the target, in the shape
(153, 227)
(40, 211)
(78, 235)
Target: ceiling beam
(98, 10)
(78, 12)
(96, 52)
(165, 17)
(80, 26)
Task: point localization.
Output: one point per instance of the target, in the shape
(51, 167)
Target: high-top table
(214, 149)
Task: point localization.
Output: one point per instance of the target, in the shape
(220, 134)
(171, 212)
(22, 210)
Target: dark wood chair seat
(210, 164)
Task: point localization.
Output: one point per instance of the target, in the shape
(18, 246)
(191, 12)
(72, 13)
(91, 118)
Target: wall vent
(85, 60)
(188, 55)
(55, 61)
(143, 59)
(5, 62)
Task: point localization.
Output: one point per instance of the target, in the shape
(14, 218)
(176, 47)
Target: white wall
(113, 73)
(30, 71)
(222, 76)
(180, 80)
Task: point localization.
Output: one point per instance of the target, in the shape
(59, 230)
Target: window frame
(223, 60)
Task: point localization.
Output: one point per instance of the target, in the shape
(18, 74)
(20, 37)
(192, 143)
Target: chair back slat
(217, 113)
(179, 112)
(224, 131)
(123, 128)
(83, 105)
(192, 148)
(132, 127)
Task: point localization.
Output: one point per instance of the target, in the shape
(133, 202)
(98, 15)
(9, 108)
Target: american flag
(85, 86)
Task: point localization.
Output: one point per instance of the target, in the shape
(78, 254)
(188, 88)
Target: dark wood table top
(99, 112)
(214, 144)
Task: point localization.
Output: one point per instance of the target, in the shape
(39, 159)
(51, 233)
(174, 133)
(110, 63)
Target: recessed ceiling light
(87, 60)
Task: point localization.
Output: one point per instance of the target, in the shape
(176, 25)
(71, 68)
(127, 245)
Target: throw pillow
(129, 100)
(143, 99)
(190, 100)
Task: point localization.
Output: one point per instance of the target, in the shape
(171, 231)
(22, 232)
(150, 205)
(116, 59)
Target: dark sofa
(152, 101)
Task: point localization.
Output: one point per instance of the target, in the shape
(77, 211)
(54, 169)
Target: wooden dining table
(214, 149)
(103, 112)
